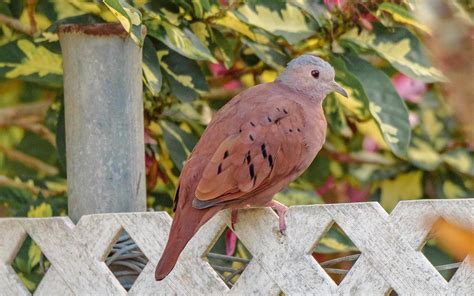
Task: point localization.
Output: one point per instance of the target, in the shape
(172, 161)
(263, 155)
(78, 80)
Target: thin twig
(9, 114)
(29, 161)
(31, 6)
(5, 181)
(227, 258)
(15, 24)
(341, 259)
(38, 129)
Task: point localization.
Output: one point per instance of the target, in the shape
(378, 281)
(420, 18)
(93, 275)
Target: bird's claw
(281, 210)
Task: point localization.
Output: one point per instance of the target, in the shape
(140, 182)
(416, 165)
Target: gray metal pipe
(104, 120)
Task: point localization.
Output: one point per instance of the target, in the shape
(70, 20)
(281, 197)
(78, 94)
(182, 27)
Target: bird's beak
(337, 88)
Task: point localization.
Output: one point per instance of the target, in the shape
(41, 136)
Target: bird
(255, 145)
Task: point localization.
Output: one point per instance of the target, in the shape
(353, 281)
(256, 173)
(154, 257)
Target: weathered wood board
(390, 245)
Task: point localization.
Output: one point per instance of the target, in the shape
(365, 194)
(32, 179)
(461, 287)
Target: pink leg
(281, 211)
(233, 218)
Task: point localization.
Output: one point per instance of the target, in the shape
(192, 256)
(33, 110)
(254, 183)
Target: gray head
(312, 76)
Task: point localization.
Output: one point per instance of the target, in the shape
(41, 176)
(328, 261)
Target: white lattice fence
(389, 245)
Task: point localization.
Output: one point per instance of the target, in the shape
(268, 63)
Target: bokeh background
(405, 133)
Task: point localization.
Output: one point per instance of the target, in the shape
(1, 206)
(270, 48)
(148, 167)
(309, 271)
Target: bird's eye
(315, 74)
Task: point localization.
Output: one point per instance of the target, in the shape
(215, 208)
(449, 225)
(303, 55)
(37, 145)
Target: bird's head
(311, 75)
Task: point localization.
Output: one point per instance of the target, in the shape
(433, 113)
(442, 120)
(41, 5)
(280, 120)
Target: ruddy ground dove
(261, 140)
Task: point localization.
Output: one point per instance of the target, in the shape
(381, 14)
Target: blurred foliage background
(405, 132)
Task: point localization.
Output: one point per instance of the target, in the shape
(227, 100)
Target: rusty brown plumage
(261, 140)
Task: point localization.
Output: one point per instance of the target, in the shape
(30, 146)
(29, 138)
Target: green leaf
(151, 68)
(460, 159)
(22, 59)
(335, 241)
(422, 154)
(400, 47)
(401, 15)
(129, 17)
(357, 103)
(61, 137)
(385, 105)
(450, 185)
(179, 143)
(270, 55)
(180, 40)
(403, 187)
(282, 20)
(225, 46)
(335, 116)
(184, 75)
(293, 197)
(315, 8)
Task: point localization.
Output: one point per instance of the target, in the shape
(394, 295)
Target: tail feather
(186, 223)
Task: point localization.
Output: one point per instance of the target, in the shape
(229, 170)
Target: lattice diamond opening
(229, 257)
(126, 260)
(441, 260)
(30, 264)
(336, 253)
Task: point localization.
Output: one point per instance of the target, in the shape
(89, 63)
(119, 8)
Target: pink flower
(230, 242)
(233, 84)
(356, 194)
(413, 119)
(330, 4)
(217, 69)
(149, 139)
(368, 144)
(328, 185)
(409, 89)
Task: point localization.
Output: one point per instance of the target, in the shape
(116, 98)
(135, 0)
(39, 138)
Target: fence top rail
(389, 243)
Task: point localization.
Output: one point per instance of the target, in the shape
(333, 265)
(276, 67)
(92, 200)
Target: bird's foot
(281, 210)
(233, 218)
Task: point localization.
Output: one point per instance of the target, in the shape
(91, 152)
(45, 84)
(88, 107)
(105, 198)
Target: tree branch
(15, 24)
(29, 161)
(10, 114)
(5, 181)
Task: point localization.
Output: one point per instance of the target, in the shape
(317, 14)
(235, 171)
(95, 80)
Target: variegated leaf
(129, 17)
(184, 75)
(385, 104)
(151, 68)
(398, 46)
(285, 20)
(183, 41)
(270, 55)
(401, 15)
(22, 59)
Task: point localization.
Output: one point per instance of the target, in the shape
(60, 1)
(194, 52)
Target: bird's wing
(266, 150)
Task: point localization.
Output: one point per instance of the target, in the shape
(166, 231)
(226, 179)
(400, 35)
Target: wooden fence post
(104, 120)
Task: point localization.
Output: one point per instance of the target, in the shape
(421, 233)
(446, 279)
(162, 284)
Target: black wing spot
(240, 130)
(290, 130)
(219, 169)
(284, 111)
(226, 154)
(252, 124)
(264, 151)
(298, 130)
(270, 161)
(251, 137)
(248, 157)
(176, 199)
(278, 109)
(251, 171)
(269, 119)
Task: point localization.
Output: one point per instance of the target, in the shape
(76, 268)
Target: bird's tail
(185, 224)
